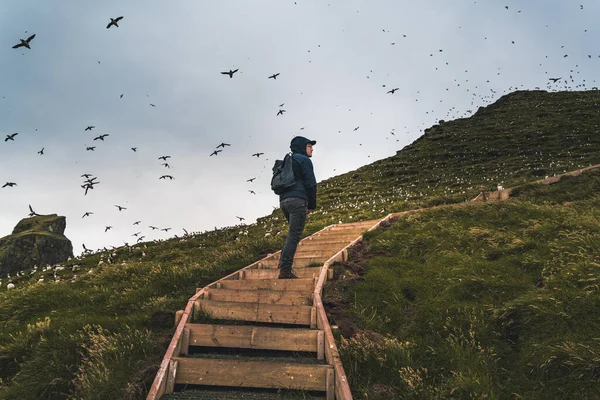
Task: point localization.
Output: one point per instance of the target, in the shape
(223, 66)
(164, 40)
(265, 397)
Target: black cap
(313, 142)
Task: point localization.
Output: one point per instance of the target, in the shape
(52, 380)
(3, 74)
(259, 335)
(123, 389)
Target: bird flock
(479, 96)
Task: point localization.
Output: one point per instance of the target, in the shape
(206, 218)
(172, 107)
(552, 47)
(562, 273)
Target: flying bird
(555, 79)
(41, 152)
(165, 229)
(114, 21)
(11, 184)
(32, 213)
(252, 191)
(223, 145)
(140, 239)
(101, 137)
(230, 73)
(86, 175)
(137, 222)
(90, 148)
(214, 153)
(120, 208)
(280, 112)
(87, 187)
(134, 149)
(11, 137)
(257, 155)
(166, 176)
(152, 105)
(164, 158)
(24, 43)
(240, 218)
(166, 165)
(87, 214)
(89, 128)
(152, 227)
(107, 228)
(393, 90)
(274, 76)
(356, 128)
(250, 180)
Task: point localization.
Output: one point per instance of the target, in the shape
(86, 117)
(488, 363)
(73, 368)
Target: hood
(299, 143)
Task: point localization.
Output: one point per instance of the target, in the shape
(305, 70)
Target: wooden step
(256, 374)
(370, 222)
(354, 228)
(273, 273)
(306, 285)
(297, 263)
(325, 244)
(288, 297)
(317, 252)
(337, 236)
(258, 312)
(256, 337)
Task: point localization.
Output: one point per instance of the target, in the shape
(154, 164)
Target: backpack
(283, 175)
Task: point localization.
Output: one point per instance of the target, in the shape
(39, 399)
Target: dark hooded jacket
(306, 183)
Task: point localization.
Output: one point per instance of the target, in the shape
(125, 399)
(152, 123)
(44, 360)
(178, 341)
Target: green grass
(492, 300)
(102, 330)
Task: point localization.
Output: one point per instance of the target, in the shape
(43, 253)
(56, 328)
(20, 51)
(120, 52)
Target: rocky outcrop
(35, 241)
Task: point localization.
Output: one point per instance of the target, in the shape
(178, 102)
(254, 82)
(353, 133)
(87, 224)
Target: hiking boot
(287, 274)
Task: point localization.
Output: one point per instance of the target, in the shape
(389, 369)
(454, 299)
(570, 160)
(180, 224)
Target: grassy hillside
(494, 300)
(100, 330)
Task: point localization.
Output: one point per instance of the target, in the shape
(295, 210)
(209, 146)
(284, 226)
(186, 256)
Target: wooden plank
(256, 312)
(320, 345)
(250, 373)
(342, 388)
(185, 342)
(270, 284)
(330, 384)
(348, 229)
(171, 377)
(178, 315)
(273, 273)
(288, 297)
(319, 252)
(254, 337)
(322, 242)
(158, 385)
(273, 263)
(319, 249)
(358, 223)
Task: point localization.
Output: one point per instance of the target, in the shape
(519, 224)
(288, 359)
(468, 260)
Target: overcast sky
(334, 58)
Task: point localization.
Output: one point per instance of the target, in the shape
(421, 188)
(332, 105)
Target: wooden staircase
(250, 335)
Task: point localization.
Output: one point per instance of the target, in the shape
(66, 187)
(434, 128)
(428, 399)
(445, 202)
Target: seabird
(230, 73)
(24, 43)
(114, 21)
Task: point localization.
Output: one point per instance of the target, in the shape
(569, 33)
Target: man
(297, 201)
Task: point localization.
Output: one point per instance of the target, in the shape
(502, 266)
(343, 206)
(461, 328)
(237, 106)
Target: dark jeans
(294, 210)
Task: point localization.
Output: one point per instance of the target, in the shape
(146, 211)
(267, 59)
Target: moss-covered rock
(38, 240)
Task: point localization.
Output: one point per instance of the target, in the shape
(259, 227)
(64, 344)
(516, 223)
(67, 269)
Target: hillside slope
(99, 330)
(491, 300)
(522, 137)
